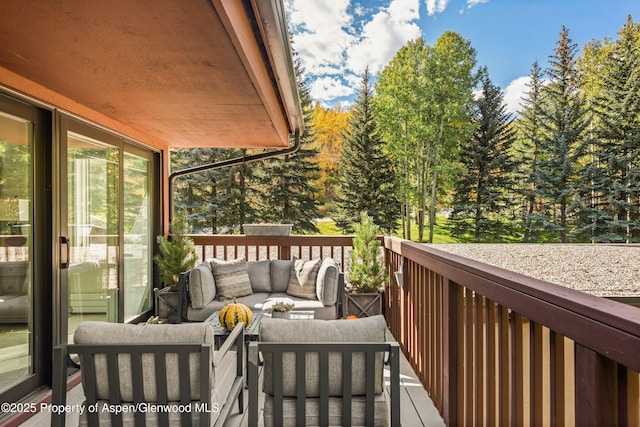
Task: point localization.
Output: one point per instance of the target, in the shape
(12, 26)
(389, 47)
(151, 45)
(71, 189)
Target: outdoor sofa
(311, 285)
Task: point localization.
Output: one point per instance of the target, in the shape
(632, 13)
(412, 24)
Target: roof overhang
(191, 73)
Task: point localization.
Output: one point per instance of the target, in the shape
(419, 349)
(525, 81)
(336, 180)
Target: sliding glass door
(92, 229)
(107, 227)
(78, 219)
(16, 284)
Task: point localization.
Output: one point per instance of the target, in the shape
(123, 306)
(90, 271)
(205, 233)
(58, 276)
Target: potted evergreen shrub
(177, 255)
(368, 272)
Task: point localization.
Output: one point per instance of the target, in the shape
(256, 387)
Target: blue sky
(337, 39)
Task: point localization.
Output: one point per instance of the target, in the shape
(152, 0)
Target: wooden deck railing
(494, 347)
(254, 248)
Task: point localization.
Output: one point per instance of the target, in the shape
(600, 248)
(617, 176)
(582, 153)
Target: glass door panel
(16, 287)
(137, 236)
(93, 230)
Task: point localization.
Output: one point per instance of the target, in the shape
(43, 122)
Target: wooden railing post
(285, 252)
(596, 397)
(450, 352)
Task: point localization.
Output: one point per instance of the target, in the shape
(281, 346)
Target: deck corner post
(596, 391)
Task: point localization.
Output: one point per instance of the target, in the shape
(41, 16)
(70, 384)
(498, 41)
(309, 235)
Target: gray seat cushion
(118, 333)
(369, 329)
(253, 301)
(312, 411)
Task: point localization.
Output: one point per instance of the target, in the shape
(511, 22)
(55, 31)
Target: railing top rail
(607, 326)
(294, 240)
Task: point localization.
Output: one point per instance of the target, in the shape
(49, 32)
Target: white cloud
(436, 6)
(335, 47)
(321, 31)
(471, 3)
(381, 37)
(514, 92)
(329, 88)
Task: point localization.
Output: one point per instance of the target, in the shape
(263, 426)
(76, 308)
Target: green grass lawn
(328, 228)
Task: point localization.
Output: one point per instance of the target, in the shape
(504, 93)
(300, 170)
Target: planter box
(267, 229)
(281, 314)
(363, 304)
(167, 302)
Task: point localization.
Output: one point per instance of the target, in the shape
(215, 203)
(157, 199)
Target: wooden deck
(416, 405)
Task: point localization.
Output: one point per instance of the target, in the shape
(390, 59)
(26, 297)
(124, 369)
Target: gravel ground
(601, 270)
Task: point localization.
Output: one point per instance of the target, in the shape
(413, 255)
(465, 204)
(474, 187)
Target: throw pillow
(280, 274)
(232, 279)
(260, 275)
(302, 282)
(202, 286)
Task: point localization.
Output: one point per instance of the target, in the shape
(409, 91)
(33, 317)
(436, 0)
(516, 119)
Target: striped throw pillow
(232, 279)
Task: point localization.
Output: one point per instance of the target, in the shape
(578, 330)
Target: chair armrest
(394, 383)
(236, 337)
(183, 293)
(252, 373)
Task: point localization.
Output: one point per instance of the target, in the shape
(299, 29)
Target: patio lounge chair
(161, 375)
(336, 380)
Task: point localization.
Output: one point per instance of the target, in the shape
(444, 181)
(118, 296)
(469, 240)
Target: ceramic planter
(267, 229)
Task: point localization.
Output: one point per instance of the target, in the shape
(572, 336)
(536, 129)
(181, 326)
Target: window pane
(16, 196)
(93, 223)
(137, 236)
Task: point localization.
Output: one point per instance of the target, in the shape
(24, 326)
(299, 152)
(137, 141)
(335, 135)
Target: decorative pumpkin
(233, 313)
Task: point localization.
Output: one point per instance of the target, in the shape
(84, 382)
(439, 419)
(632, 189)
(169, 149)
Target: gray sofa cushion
(260, 275)
(119, 333)
(232, 279)
(327, 285)
(280, 274)
(202, 286)
(302, 282)
(368, 329)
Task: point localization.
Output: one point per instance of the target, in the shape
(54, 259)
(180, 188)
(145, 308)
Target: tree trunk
(563, 220)
(432, 205)
(423, 201)
(434, 181)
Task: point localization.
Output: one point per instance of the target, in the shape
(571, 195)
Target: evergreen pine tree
(286, 185)
(619, 142)
(481, 196)
(368, 272)
(530, 134)
(562, 145)
(177, 252)
(366, 178)
(216, 201)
